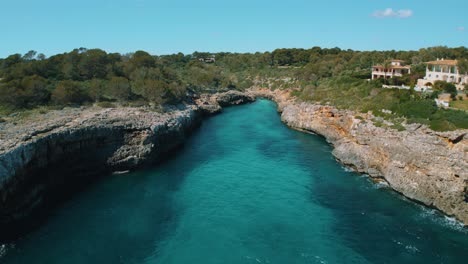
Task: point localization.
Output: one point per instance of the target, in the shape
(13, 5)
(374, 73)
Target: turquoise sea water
(244, 189)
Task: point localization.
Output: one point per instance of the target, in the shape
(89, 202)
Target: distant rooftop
(443, 62)
(392, 66)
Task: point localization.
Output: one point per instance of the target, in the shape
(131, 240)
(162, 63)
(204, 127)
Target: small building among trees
(390, 69)
(210, 59)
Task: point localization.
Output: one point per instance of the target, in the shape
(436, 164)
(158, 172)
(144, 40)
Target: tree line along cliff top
(335, 76)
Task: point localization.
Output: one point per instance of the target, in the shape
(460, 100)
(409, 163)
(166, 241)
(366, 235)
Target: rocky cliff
(49, 155)
(52, 154)
(46, 156)
(427, 166)
(212, 103)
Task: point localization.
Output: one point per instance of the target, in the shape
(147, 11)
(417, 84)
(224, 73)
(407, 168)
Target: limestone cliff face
(39, 160)
(52, 153)
(212, 103)
(46, 156)
(424, 165)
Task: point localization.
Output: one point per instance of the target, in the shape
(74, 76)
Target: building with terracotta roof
(396, 68)
(444, 70)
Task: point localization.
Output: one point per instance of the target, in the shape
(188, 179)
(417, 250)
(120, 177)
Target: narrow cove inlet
(243, 189)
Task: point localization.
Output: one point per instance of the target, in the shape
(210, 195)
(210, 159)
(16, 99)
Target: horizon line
(233, 52)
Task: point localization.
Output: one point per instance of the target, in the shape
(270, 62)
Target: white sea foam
(381, 184)
(412, 249)
(347, 168)
(320, 260)
(254, 259)
(3, 250)
(454, 223)
(409, 248)
(440, 219)
(120, 172)
(316, 259)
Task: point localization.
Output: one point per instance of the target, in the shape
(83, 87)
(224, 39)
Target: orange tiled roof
(444, 62)
(401, 67)
(392, 67)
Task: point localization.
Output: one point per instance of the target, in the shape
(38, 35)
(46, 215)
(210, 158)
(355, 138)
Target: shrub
(423, 121)
(105, 104)
(417, 108)
(138, 103)
(378, 123)
(118, 88)
(446, 87)
(28, 92)
(69, 92)
(455, 117)
(442, 125)
(398, 127)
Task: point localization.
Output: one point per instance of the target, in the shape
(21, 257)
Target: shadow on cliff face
(125, 216)
(41, 185)
(61, 168)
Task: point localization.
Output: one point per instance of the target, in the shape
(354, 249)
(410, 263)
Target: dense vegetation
(86, 76)
(351, 93)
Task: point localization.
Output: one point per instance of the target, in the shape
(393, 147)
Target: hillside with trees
(335, 76)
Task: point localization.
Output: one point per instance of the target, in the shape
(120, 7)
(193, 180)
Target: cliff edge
(424, 165)
(47, 156)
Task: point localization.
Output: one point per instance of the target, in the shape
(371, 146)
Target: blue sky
(170, 26)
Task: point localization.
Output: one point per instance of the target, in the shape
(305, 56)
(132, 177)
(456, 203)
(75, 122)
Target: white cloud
(405, 13)
(389, 12)
(384, 13)
(461, 28)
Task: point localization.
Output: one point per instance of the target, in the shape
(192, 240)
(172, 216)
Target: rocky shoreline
(49, 155)
(426, 166)
(46, 156)
(43, 162)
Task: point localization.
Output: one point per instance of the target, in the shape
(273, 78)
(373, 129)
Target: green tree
(152, 90)
(29, 92)
(69, 93)
(443, 86)
(97, 89)
(463, 66)
(282, 56)
(41, 56)
(29, 55)
(142, 59)
(118, 88)
(11, 96)
(35, 91)
(93, 64)
(386, 67)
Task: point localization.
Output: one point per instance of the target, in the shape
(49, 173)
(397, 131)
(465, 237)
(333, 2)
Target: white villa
(210, 59)
(443, 70)
(396, 68)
